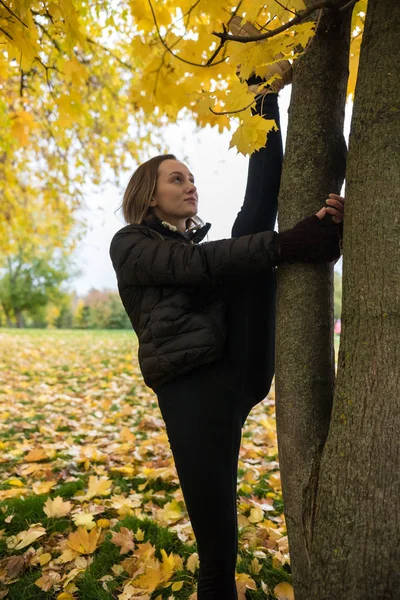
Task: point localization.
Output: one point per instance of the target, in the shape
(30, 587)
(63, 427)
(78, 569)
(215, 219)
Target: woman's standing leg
(204, 432)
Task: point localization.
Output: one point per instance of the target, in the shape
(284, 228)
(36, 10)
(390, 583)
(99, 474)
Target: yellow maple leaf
(256, 515)
(83, 541)
(98, 486)
(193, 562)
(150, 579)
(243, 582)
(27, 537)
(251, 134)
(43, 487)
(68, 555)
(75, 72)
(124, 539)
(255, 566)
(284, 591)
(46, 582)
(57, 507)
(237, 97)
(85, 520)
(132, 593)
(170, 513)
(275, 481)
(22, 124)
(35, 455)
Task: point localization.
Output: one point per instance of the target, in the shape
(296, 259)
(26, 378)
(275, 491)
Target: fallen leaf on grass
(43, 487)
(193, 562)
(46, 582)
(123, 539)
(244, 582)
(83, 541)
(57, 507)
(25, 538)
(284, 591)
(98, 486)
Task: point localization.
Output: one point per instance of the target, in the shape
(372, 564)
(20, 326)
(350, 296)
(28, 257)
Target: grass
(78, 397)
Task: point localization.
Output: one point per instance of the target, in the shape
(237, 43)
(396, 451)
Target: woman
(204, 315)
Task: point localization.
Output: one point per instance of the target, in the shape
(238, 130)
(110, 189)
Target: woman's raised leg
(252, 308)
(260, 205)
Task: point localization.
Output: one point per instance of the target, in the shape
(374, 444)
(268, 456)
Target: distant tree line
(98, 309)
(45, 305)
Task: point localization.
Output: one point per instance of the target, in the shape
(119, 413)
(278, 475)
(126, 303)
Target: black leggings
(205, 410)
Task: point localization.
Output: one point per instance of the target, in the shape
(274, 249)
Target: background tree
(103, 309)
(337, 296)
(28, 284)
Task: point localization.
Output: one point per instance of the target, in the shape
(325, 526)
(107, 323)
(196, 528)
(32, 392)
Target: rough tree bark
(355, 547)
(314, 166)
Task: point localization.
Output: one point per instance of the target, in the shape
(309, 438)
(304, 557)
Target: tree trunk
(19, 318)
(355, 547)
(314, 166)
(7, 314)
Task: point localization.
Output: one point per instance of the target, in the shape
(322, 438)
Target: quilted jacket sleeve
(142, 260)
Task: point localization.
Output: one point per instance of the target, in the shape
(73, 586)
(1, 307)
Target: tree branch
(348, 5)
(232, 112)
(188, 62)
(285, 8)
(6, 33)
(295, 21)
(121, 62)
(187, 13)
(56, 44)
(13, 13)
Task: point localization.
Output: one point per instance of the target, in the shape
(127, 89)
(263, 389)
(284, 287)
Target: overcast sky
(220, 174)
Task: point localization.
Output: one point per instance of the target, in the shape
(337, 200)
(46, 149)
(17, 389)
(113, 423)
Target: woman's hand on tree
(335, 208)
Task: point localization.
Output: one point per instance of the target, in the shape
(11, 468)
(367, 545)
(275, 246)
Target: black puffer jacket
(173, 289)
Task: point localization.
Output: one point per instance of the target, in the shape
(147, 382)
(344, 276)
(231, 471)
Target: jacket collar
(194, 234)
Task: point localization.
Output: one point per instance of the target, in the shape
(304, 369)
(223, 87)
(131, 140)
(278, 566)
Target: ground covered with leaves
(90, 502)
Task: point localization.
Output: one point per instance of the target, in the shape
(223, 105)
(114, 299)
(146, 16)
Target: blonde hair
(140, 189)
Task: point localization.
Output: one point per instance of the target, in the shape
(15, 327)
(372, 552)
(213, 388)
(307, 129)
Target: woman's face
(175, 197)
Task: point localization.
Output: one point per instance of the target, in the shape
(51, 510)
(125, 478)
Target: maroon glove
(311, 240)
